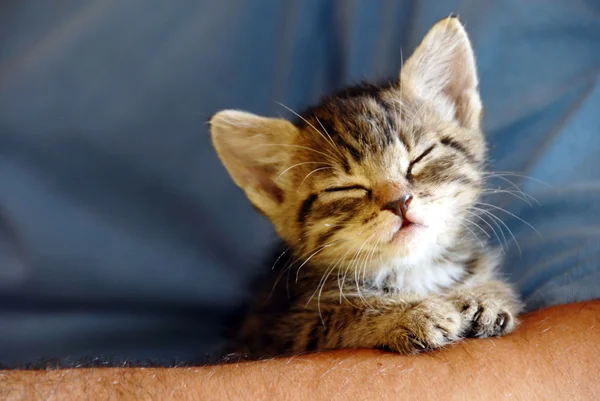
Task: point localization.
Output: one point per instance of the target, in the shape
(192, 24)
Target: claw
(506, 317)
(417, 344)
(500, 320)
(478, 314)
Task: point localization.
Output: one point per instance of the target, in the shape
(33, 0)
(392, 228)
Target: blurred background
(122, 238)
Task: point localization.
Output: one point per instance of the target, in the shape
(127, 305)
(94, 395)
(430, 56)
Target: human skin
(553, 355)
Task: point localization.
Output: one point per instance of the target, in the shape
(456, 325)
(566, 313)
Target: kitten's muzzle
(399, 207)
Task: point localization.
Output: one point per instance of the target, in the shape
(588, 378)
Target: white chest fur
(419, 279)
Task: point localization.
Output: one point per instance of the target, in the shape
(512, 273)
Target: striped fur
(330, 183)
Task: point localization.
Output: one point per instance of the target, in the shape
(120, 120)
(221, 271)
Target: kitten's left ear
(252, 150)
(442, 70)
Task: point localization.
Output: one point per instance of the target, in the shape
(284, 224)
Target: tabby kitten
(373, 191)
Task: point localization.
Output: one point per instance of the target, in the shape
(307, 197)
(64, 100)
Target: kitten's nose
(399, 206)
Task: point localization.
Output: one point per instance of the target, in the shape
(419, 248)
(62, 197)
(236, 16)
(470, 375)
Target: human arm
(555, 353)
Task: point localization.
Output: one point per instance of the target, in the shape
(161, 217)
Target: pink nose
(399, 206)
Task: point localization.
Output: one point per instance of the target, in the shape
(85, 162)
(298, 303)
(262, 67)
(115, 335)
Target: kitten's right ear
(442, 70)
(250, 147)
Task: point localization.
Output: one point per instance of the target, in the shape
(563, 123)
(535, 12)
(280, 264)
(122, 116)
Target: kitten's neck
(429, 274)
(427, 278)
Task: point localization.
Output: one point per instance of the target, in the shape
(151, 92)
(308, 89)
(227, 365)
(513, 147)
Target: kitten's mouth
(406, 228)
(406, 224)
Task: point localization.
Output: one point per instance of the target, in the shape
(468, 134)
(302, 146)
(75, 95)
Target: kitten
(373, 191)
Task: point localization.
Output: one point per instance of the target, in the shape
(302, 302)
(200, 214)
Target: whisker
(357, 274)
(307, 175)
(289, 145)
(333, 144)
(511, 214)
(512, 184)
(279, 257)
(371, 258)
(343, 280)
(471, 231)
(307, 122)
(524, 198)
(489, 225)
(340, 283)
(513, 174)
(487, 212)
(477, 225)
(311, 256)
(319, 288)
(350, 266)
(295, 165)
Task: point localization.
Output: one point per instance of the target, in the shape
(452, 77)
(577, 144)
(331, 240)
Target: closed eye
(417, 160)
(349, 188)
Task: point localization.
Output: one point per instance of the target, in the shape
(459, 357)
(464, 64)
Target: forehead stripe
(447, 141)
(389, 124)
(339, 140)
(306, 207)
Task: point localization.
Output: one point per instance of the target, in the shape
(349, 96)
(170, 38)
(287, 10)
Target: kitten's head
(372, 174)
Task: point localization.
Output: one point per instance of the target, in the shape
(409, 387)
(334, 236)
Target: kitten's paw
(429, 325)
(487, 317)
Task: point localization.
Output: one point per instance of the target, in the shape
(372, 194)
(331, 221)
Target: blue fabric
(120, 232)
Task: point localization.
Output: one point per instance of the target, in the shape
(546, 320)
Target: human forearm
(555, 353)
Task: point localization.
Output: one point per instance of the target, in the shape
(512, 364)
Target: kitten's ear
(250, 148)
(442, 70)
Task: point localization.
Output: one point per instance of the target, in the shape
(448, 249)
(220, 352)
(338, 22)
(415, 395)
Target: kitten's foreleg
(401, 327)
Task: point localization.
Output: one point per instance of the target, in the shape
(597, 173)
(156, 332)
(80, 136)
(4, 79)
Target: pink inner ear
(468, 109)
(262, 177)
